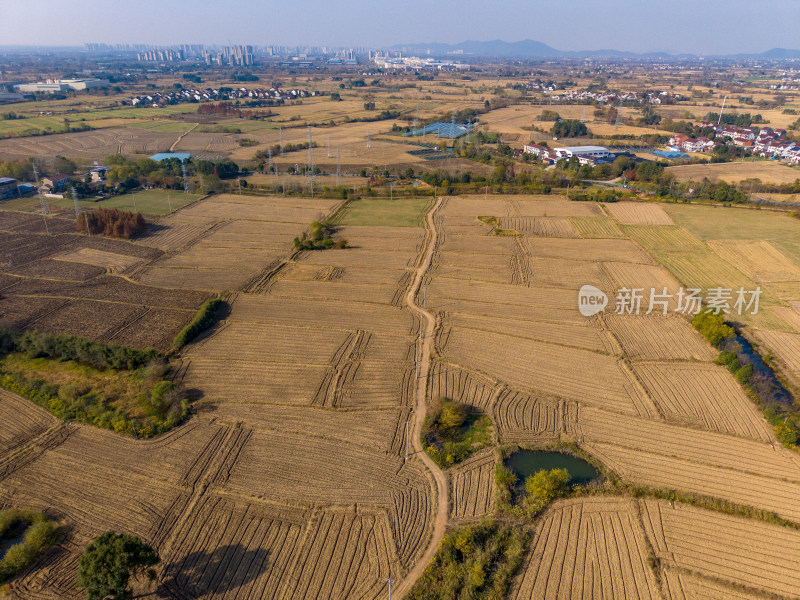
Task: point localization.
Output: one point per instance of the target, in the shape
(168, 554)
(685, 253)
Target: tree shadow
(227, 568)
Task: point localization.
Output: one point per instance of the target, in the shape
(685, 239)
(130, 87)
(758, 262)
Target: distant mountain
(534, 49)
(495, 48)
(780, 53)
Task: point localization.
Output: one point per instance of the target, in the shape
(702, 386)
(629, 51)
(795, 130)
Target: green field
(151, 202)
(382, 212)
(720, 223)
(166, 126)
(55, 121)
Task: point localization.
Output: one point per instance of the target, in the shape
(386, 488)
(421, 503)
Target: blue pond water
(526, 462)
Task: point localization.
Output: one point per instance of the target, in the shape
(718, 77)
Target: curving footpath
(440, 523)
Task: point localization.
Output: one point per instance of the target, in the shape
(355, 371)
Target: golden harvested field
(704, 550)
(597, 227)
(588, 548)
(23, 421)
(114, 263)
(80, 285)
(767, 171)
(638, 213)
(658, 337)
(245, 499)
(784, 346)
(702, 395)
(601, 548)
(525, 419)
(600, 382)
(472, 486)
(227, 241)
(759, 260)
(290, 481)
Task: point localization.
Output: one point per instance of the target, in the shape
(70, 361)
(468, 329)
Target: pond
(770, 388)
(526, 462)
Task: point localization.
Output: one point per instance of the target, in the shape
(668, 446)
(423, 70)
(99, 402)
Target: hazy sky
(696, 26)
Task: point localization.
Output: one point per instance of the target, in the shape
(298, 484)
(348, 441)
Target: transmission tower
(619, 114)
(269, 155)
(185, 178)
(721, 110)
(280, 142)
(75, 199)
(329, 146)
(368, 146)
(338, 167)
(311, 162)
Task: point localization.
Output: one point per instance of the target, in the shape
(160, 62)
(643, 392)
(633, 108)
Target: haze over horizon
(713, 27)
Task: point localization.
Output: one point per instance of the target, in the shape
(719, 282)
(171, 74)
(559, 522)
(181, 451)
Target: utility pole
(390, 582)
(721, 110)
(310, 162)
(338, 167)
(169, 202)
(280, 143)
(406, 440)
(77, 204)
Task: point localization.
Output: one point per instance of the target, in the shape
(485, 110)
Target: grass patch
(452, 432)
(383, 212)
(111, 387)
(476, 562)
(39, 534)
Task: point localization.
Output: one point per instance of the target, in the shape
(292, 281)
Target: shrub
(542, 488)
(39, 535)
(712, 327)
(82, 351)
(205, 318)
(475, 562)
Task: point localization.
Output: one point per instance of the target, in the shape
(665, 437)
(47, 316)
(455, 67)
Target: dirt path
(181, 136)
(440, 522)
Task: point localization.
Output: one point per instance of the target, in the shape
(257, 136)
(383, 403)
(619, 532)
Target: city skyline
(715, 27)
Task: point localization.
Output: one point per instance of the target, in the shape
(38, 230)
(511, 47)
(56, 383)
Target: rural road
(440, 523)
(181, 136)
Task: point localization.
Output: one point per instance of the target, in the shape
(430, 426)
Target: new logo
(591, 300)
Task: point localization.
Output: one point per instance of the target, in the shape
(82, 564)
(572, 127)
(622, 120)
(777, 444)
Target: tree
(543, 487)
(64, 165)
(108, 563)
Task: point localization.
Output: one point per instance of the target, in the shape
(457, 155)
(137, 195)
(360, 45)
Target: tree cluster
(111, 222)
(318, 239)
(476, 562)
(569, 128)
(69, 347)
(108, 563)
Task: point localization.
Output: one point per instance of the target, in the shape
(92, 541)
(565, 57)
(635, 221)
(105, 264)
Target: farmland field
(290, 477)
(765, 170)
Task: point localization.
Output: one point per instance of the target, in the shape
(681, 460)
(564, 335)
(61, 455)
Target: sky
(675, 26)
